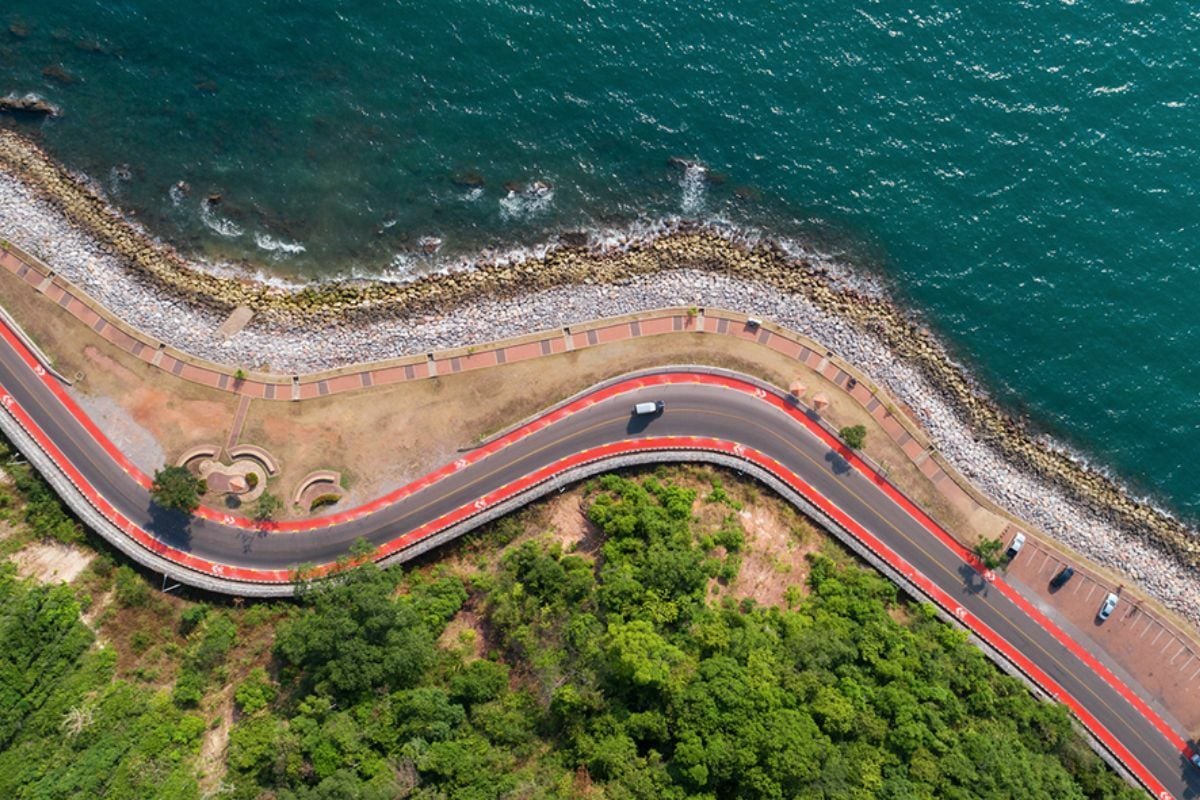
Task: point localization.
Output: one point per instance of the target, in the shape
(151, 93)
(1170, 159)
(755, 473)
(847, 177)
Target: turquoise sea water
(1025, 174)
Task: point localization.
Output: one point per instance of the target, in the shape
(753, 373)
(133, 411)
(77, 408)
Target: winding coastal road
(711, 416)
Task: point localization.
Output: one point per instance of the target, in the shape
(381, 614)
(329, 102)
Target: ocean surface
(1024, 174)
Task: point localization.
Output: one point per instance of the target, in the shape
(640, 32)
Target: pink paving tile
(929, 467)
(830, 370)
(613, 333)
(892, 426)
(579, 340)
(11, 262)
(34, 278)
(813, 359)
(55, 292)
(387, 375)
(557, 345)
(308, 391)
(861, 393)
(198, 375)
(84, 314)
(782, 344)
(742, 331)
(479, 360)
(520, 352)
(344, 383)
(123, 340)
(913, 449)
(656, 325)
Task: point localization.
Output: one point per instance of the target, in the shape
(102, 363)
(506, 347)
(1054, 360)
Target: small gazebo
(797, 389)
(820, 402)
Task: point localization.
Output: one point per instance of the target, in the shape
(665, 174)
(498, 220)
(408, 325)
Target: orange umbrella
(797, 389)
(820, 401)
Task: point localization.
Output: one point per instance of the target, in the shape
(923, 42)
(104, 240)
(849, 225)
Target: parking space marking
(1078, 584)
(1182, 648)
(1091, 592)
(1194, 674)
(1161, 631)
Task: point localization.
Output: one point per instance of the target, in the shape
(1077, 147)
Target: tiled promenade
(257, 386)
(1175, 691)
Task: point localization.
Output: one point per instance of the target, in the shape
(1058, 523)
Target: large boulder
(29, 104)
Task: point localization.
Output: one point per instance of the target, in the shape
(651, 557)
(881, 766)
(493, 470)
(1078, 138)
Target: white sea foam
(219, 225)
(277, 247)
(693, 183)
(528, 202)
(176, 194)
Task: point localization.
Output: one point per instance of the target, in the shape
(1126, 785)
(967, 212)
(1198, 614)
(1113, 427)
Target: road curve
(709, 415)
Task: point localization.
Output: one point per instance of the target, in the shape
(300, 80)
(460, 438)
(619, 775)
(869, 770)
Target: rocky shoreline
(57, 216)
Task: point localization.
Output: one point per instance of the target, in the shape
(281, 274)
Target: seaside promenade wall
(352, 303)
(893, 417)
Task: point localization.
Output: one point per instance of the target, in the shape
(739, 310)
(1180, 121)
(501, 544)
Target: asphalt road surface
(691, 410)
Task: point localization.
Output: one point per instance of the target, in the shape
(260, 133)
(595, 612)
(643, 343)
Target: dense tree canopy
(613, 677)
(614, 674)
(176, 488)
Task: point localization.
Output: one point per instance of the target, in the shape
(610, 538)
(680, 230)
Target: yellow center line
(982, 598)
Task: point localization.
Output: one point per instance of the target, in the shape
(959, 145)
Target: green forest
(511, 667)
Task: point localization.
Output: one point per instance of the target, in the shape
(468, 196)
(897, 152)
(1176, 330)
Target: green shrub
(131, 588)
(267, 507)
(191, 617)
(324, 500)
(252, 479)
(189, 689)
(854, 435)
(255, 693)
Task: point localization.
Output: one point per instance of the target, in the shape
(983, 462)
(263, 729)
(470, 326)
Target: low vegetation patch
(610, 672)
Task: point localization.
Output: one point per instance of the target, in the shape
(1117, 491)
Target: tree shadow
(973, 582)
(172, 528)
(837, 462)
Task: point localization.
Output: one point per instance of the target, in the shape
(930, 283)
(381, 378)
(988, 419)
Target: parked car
(649, 408)
(1106, 608)
(1195, 759)
(1017, 543)
(1064, 575)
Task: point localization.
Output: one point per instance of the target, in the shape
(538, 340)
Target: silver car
(1106, 608)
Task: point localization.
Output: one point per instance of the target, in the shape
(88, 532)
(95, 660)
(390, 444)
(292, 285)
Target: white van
(1017, 543)
(655, 407)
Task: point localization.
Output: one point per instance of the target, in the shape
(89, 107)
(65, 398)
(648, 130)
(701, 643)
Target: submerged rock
(56, 72)
(468, 180)
(29, 104)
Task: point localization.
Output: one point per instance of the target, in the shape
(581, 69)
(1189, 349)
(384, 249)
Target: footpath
(1170, 669)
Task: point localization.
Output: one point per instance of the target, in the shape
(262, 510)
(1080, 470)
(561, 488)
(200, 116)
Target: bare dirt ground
(211, 766)
(775, 557)
(52, 562)
(383, 437)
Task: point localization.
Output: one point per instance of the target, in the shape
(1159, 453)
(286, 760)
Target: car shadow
(639, 422)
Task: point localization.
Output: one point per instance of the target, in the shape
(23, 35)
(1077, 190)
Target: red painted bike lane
(607, 452)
